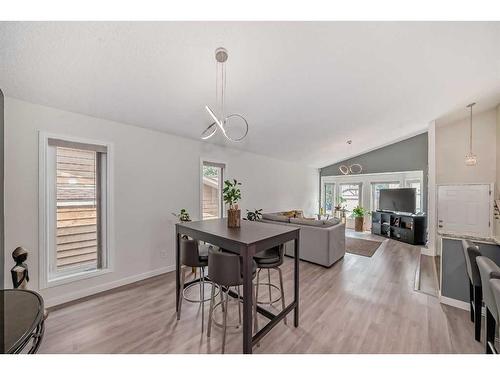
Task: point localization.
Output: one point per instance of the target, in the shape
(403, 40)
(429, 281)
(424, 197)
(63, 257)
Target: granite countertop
(493, 240)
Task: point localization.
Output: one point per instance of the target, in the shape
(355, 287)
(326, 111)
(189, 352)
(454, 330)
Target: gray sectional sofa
(321, 241)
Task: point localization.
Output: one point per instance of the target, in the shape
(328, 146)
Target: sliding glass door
(352, 195)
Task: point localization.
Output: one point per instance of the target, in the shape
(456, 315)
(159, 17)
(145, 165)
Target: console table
(407, 228)
(250, 239)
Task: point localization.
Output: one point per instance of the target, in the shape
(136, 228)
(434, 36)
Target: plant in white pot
(232, 195)
(359, 218)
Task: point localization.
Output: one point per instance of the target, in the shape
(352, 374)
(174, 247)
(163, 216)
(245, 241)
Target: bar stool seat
(226, 270)
(489, 270)
(194, 255)
(269, 257)
(471, 252)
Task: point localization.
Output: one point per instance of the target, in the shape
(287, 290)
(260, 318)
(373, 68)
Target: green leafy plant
(183, 215)
(358, 211)
(254, 215)
(231, 193)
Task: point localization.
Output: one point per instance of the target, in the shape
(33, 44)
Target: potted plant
(254, 215)
(183, 215)
(232, 195)
(359, 217)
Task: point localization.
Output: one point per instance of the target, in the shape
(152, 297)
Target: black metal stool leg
(478, 302)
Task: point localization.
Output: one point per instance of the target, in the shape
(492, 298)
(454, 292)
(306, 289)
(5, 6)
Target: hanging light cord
(470, 138)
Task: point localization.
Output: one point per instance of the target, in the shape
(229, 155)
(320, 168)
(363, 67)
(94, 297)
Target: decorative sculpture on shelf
(19, 272)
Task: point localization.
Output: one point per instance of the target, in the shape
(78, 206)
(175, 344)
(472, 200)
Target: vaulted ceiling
(304, 87)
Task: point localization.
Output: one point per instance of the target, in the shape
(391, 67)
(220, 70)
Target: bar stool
(471, 252)
(495, 288)
(225, 270)
(488, 270)
(194, 256)
(270, 259)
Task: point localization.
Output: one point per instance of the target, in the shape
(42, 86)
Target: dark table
(21, 320)
(252, 238)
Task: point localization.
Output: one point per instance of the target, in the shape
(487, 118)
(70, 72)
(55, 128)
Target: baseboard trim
(454, 302)
(59, 300)
(427, 251)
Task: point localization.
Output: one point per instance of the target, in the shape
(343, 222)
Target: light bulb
(470, 160)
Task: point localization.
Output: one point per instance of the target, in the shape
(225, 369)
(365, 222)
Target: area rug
(362, 247)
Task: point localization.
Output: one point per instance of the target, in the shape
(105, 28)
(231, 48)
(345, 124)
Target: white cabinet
(465, 209)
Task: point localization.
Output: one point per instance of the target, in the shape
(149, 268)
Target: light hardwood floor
(360, 305)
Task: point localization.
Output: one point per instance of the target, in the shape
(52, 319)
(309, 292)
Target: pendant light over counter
(470, 158)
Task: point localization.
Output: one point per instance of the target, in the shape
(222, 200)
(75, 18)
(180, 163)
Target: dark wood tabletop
(250, 232)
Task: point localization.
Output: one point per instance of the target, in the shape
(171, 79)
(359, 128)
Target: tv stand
(409, 228)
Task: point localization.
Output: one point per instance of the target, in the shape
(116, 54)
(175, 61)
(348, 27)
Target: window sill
(61, 280)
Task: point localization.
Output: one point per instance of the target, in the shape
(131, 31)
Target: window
(376, 187)
(212, 181)
(352, 195)
(416, 184)
(74, 191)
(328, 198)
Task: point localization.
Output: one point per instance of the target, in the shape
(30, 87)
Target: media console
(401, 227)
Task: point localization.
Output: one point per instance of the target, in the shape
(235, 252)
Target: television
(398, 200)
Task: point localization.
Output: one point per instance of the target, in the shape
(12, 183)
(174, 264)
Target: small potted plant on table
(232, 195)
(359, 217)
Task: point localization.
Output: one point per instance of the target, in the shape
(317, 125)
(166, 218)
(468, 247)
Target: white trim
(60, 299)
(200, 182)
(43, 234)
(454, 302)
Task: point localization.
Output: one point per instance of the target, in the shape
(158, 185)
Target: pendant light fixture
(221, 121)
(350, 169)
(470, 158)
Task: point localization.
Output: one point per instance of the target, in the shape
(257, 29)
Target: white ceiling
(305, 87)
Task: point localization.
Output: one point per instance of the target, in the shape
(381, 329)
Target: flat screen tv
(397, 200)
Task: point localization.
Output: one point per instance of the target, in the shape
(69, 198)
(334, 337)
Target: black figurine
(19, 272)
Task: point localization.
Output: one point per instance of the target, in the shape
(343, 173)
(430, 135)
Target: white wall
(452, 144)
(154, 174)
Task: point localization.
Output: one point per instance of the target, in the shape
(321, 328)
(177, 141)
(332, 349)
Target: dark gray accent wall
(455, 283)
(407, 155)
(2, 238)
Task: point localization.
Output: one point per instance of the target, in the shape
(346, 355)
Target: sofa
(321, 241)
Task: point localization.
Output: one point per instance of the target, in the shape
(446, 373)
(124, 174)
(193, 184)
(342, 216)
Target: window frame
(323, 197)
(47, 214)
(420, 182)
(360, 191)
(223, 167)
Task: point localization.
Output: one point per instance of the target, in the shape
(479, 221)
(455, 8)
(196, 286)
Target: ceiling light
(221, 56)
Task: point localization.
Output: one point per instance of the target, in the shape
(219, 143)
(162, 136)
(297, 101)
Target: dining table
(251, 238)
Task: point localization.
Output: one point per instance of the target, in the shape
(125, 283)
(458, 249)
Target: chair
(488, 270)
(225, 270)
(495, 287)
(471, 252)
(194, 256)
(268, 260)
